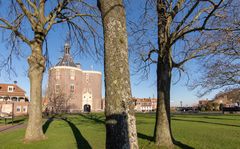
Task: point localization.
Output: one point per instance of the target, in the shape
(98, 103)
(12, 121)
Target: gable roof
(17, 91)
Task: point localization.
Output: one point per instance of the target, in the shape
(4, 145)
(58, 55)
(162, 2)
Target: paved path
(9, 127)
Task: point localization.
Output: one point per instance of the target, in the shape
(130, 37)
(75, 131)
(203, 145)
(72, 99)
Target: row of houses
(145, 104)
(16, 96)
(229, 98)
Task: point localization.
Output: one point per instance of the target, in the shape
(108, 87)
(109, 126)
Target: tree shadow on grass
(82, 143)
(199, 121)
(205, 116)
(93, 117)
(219, 118)
(46, 124)
(145, 137)
(181, 145)
(18, 121)
(151, 139)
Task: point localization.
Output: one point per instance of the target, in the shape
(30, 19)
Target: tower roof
(67, 60)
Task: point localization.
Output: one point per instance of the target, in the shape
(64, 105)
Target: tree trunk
(36, 68)
(120, 120)
(162, 132)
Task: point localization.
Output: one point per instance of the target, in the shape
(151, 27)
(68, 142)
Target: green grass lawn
(88, 131)
(16, 120)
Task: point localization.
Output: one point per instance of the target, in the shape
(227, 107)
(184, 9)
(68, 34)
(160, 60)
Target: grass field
(88, 131)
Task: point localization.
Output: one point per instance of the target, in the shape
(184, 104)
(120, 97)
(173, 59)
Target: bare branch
(14, 29)
(188, 14)
(50, 19)
(33, 5)
(29, 15)
(185, 31)
(176, 9)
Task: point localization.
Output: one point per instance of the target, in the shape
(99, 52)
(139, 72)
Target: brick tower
(72, 88)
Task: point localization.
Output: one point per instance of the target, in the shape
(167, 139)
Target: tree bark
(36, 63)
(162, 132)
(120, 120)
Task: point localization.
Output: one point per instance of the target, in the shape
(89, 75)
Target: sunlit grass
(88, 131)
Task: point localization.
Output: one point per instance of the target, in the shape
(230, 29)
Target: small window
(72, 88)
(57, 88)
(72, 74)
(57, 74)
(18, 108)
(10, 88)
(25, 109)
(87, 78)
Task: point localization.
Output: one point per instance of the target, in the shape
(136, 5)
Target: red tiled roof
(17, 91)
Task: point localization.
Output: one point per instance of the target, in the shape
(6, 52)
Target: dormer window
(10, 88)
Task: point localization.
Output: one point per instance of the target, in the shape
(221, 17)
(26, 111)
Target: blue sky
(140, 88)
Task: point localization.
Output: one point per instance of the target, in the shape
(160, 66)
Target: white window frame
(72, 74)
(10, 87)
(57, 74)
(25, 109)
(19, 107)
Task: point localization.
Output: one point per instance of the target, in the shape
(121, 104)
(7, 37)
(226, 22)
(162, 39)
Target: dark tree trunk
(162, 132)
(120, 120)
(36, 68)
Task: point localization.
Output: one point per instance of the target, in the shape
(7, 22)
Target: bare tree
(218, 74)
(30, 21)
(119, 110)
(182, 30)
(222, 69)
(58, 101)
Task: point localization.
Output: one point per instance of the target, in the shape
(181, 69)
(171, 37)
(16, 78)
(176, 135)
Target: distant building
(12, 93)
(224, 99)
(203, 102)
(145, 104)
(228, 98)
(76, 89)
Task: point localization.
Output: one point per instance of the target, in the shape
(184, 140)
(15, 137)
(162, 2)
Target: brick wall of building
(19, 108)
(87, 87)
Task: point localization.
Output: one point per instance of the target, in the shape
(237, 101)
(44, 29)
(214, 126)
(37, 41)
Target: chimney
(78, 65)
(15, 82)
